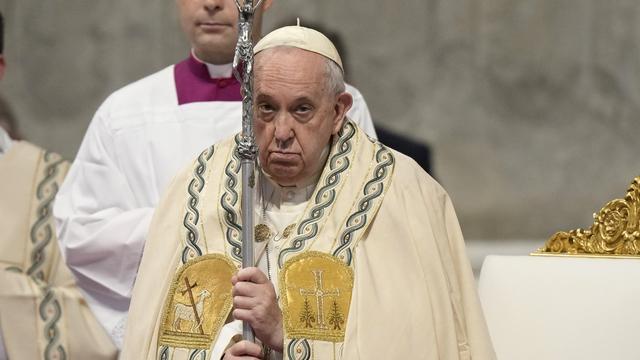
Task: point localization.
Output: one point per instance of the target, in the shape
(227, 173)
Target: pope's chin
(283, 172)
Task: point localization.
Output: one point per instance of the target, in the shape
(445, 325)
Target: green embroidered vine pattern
(229, 201)
(372, 190)
(338, 164)
(192, 215)
(41, 231)
(50, 313)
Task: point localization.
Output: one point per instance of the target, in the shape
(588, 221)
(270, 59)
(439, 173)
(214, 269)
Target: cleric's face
(212, 27)
(295, 113)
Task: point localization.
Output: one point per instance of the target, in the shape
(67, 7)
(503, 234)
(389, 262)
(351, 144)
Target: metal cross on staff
(247, 149)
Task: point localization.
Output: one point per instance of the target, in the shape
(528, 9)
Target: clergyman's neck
(215, 71)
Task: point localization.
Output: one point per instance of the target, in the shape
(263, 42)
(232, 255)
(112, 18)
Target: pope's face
(212, 27)
(295, 113)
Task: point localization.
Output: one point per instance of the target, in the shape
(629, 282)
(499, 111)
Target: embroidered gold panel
(198, 302)
(316, 293)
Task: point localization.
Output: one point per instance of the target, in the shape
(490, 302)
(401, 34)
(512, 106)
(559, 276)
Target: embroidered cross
(320, 293)
(193, 302)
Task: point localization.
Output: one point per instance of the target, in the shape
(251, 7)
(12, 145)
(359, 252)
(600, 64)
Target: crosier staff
(247, 149)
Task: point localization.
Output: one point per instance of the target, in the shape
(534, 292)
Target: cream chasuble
(138, 139)
(373, 268)
(42, 313)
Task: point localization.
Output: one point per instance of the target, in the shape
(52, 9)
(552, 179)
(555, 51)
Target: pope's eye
(265, 108)
(304, 108)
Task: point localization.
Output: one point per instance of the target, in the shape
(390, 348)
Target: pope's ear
(343, 104)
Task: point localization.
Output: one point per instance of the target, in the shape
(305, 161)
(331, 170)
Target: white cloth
(137, 141)
(558, 308)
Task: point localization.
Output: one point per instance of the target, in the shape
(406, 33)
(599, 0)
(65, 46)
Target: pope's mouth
(283, 158)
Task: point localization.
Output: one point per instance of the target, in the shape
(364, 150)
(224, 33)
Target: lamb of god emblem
(198, 302)
(190, 312)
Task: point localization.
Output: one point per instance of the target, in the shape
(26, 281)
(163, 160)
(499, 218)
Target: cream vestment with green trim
(43, 315)
(373, 268)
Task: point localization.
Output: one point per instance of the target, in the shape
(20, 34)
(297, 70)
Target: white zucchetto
(302, 38)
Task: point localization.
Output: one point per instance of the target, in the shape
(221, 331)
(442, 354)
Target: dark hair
(1, 33)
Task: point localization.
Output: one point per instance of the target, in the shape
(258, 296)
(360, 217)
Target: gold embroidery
(198, 302)
(261, 232)
(287, 231)
(316, 293)
(335, 316)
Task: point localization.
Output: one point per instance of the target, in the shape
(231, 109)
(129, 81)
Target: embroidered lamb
(185, 312)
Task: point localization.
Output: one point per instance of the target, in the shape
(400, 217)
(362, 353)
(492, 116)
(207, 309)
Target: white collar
(216, 71)
(285, 198)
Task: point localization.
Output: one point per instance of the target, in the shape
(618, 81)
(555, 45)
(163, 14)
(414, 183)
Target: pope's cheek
(263, 145)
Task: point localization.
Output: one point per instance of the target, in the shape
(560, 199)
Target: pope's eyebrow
(303, 100)
(263, 97)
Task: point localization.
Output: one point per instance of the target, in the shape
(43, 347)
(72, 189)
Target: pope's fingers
(258, 318)
(247, 289)
(243, 315)
(245, 348)
(244, 302)
(252, 274)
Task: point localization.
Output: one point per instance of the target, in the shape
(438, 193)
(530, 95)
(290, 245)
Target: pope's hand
(254, 300)
(244, 350)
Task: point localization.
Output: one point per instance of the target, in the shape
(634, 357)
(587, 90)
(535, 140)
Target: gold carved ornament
(615, 231)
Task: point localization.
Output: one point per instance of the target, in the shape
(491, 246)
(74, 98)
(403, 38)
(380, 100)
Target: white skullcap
(302, 38)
